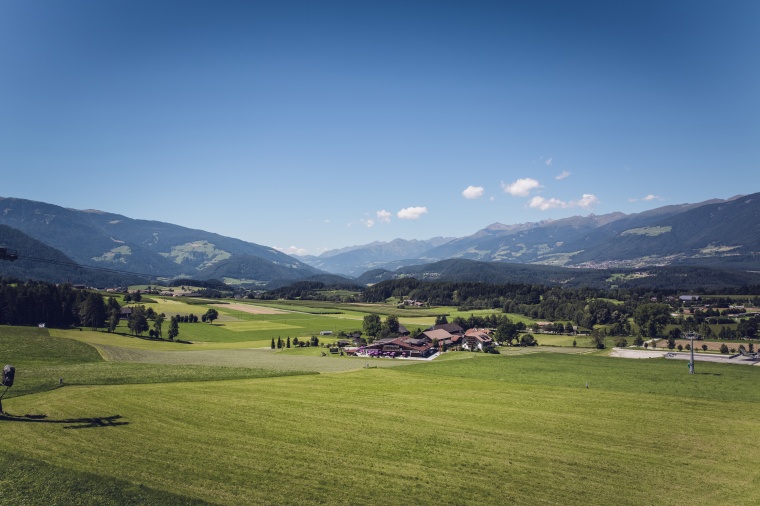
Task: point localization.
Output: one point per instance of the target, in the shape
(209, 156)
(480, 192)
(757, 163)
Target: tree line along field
(471, 429)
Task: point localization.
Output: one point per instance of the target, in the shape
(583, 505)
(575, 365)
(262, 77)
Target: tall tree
(392, 324)
(114, 316)
(371, 325)
(211, 315)
(173, 327)
(506, 332)
(138, 323)
(92, 311)
(157, 324)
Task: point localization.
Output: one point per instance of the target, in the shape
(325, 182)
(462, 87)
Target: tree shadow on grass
(69, 423)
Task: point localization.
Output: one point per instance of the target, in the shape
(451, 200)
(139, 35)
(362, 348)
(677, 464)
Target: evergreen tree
(113, 319)
(158, 324)
(173, 327)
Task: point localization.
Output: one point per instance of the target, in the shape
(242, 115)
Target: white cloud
(293, 250)
(384, 216)
(549, 162)
(369, 222)
(521, 187)
(546, 204)
(562, 175)
(473, 192)
(411, 213)
(586, 201)
(648, 198)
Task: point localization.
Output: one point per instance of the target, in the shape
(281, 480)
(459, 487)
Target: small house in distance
(125, 313)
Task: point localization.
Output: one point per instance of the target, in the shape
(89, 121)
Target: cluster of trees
(376, 329)
(310, 290)
(466, 295)
(210, 315)
(132, 297)
(34, 302)
(650, 310)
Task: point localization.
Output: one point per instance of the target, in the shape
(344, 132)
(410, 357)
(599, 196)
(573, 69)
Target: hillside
(101, 239)
(722, 233)
(715, 233)
(41, 262)
(670, 277)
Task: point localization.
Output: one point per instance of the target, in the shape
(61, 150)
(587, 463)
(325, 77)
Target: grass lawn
(468, 429)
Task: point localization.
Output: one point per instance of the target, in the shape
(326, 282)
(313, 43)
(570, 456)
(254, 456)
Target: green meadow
(136, 425)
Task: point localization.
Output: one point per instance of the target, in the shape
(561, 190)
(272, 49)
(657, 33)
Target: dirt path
(247, 308)
(255, 358)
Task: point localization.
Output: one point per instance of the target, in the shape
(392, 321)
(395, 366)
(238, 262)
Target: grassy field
(297, 319)
(469, 429)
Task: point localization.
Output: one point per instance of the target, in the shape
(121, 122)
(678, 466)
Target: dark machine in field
(9, 372)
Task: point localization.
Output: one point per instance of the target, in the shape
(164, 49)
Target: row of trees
(138, 322)
(314, 341)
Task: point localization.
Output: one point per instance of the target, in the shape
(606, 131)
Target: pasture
(255, 323)
(469, 429)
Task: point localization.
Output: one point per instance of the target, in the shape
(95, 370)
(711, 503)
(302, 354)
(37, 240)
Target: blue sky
(310, 126)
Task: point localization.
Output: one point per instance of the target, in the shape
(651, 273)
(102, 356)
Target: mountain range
(721, 234)
(149, 248)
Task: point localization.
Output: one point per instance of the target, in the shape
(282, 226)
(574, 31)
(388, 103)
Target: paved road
(683, 355)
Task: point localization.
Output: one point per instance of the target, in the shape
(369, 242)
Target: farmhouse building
(442, 337)
(477, 339)
(402, 346)
(451, 328)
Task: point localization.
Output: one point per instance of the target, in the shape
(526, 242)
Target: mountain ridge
(101, 239)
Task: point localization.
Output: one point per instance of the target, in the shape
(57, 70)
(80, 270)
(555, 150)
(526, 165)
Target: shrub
(680, 347)
(704, 347)
(723, 348)
(621, 343)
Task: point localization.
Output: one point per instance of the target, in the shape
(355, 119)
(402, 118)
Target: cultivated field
(220, 422)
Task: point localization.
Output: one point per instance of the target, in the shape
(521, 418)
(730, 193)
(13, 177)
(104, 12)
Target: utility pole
(691, 336)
